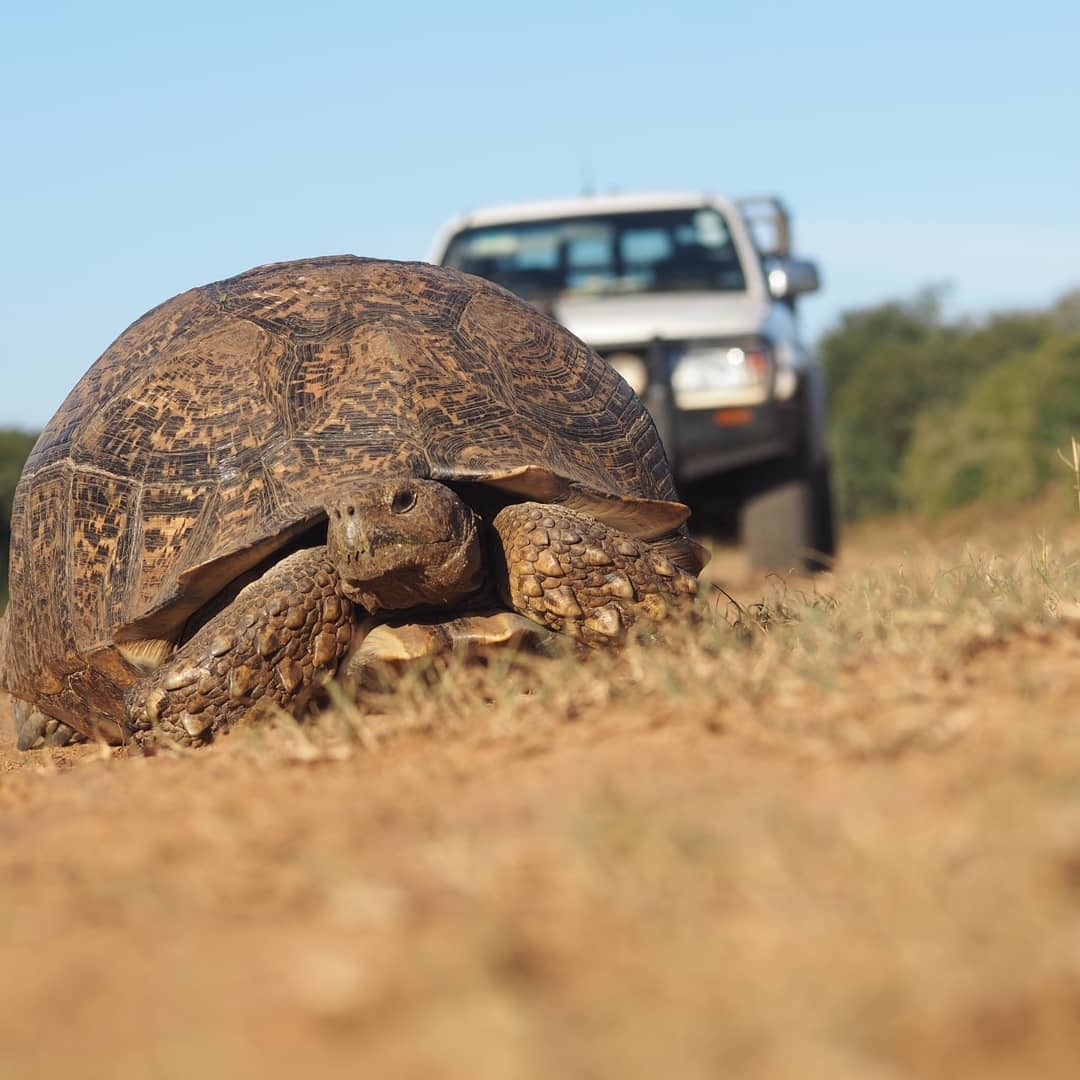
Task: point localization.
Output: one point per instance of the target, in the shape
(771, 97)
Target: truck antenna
(588, 186)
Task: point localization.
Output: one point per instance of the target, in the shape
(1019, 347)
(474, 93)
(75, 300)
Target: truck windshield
(658, 251)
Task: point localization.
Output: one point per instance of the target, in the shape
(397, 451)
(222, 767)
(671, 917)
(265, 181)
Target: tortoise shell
(214, 429)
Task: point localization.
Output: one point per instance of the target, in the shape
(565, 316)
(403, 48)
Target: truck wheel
(791, 525)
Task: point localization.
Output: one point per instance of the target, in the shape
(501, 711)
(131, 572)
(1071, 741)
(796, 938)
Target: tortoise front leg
(573, 573)
(276, 642)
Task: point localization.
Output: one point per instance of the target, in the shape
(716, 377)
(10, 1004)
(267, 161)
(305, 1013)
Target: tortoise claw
(34, 730)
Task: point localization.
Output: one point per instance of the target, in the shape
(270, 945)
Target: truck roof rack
(769, 221)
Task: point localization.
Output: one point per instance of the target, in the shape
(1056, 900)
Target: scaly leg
(573, 573)
(276, 642)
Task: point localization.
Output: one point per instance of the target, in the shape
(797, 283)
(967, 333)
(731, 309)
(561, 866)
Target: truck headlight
(708, 376)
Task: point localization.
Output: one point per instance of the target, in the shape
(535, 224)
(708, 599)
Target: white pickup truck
(692, 298)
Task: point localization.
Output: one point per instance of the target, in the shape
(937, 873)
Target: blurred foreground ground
(849, 849)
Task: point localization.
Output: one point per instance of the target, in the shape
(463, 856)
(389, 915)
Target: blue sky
(150, 148)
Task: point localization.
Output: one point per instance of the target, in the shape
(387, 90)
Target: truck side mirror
(789, 277)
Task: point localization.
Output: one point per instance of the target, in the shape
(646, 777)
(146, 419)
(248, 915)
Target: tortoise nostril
(351, 511)
(403, 501)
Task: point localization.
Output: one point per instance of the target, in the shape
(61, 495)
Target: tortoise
(260, 469)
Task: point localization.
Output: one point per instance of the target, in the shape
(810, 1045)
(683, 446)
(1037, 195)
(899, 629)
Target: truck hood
(629, 320)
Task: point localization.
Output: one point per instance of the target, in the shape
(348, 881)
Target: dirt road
(642, 884)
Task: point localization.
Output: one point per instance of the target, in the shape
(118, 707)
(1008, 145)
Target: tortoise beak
(353, 539)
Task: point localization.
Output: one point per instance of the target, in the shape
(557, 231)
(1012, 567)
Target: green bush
(15, 446)
(999, 445)
(898, 371)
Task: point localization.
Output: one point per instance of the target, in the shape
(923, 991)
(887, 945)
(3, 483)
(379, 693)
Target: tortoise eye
(403, 501)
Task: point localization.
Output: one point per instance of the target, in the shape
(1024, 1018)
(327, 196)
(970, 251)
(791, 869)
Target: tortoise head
(401, 544)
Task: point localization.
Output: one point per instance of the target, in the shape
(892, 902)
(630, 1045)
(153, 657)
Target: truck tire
(791, 525)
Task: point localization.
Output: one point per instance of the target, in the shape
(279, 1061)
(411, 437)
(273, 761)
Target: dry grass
(832, 830)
